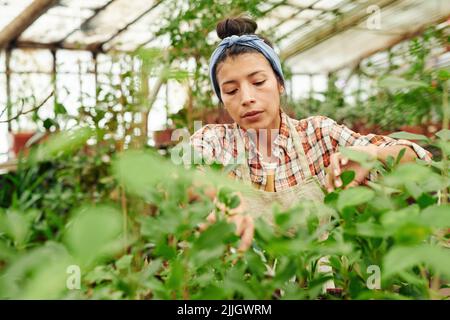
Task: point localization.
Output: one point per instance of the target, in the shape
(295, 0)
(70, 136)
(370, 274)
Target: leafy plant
(398, 224)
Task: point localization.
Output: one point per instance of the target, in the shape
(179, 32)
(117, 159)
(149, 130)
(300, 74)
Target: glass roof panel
(397, 18)
(283, 12)
(55, 24)
(84, 4)
(140, 32)
(308, 14)
(109, 21)
(336, 52)
(267, 5)
(267, 23)
(302, 3)
(328, 4)
(289, 25)
(303, 30)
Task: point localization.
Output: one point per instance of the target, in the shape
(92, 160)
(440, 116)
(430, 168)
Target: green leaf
(409, 136)
(214, 235)
(233, 283)
(140, 171)
(354, 196)
(408, 172)
(38, 274)
(176, 275)
(17, 225)
(165, 251)
(61, 143)
(395, 218)
(207, 256)
(99, 274)
(94, 233)
(400, 156)
(411, 233)
(48, 123)
(437, 216)
(444, 134)
(362, 158)
(59, 108)
(347, 177)
(444, 74)
(124, 262)
(413, 189)
(370, 229)
(401, 258)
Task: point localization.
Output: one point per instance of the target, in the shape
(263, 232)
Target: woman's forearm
(384, 152)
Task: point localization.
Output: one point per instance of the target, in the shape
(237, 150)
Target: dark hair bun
(236, 26)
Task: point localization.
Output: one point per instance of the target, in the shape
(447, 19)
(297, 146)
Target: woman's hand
(245, 227)
(340, 163)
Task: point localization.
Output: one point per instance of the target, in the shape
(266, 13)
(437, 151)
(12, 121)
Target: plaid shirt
(320, 137)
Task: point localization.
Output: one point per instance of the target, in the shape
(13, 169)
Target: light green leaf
(361, 157)
(409, 136)
(16, 225)
(354, 197)
(444, 134)
(61, 143)
(437, 216)
(124, 262)
(39, 274)
(401, 258)
(408, 172)
(140, 171)
(94, 233)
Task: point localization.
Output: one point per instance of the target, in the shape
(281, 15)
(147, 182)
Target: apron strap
(242, 156)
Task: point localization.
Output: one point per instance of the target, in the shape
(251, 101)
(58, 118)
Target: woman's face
(250, 91)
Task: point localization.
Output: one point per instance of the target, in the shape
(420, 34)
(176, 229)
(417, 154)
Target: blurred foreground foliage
(135, 235)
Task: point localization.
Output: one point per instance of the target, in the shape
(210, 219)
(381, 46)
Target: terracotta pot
(19, 141)
(163, 138)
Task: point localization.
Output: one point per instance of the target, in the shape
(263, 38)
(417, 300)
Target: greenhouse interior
(98, 98)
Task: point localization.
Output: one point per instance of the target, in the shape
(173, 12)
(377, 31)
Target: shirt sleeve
(340, 135)
(336, 135)
(206, 145)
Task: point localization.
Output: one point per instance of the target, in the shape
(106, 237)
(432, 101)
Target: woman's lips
(252, 115)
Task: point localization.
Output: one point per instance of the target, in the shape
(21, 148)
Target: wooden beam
(343, 23)
(25, 19)
(62, 46)
(49, 46)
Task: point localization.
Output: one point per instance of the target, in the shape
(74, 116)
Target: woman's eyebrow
(248, 76)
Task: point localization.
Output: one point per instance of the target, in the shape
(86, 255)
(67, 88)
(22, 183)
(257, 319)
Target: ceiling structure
(312, 36)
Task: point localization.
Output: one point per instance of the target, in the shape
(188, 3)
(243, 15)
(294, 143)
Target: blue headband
(249, 40)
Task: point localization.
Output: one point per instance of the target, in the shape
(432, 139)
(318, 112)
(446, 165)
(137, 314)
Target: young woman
(286, 160)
